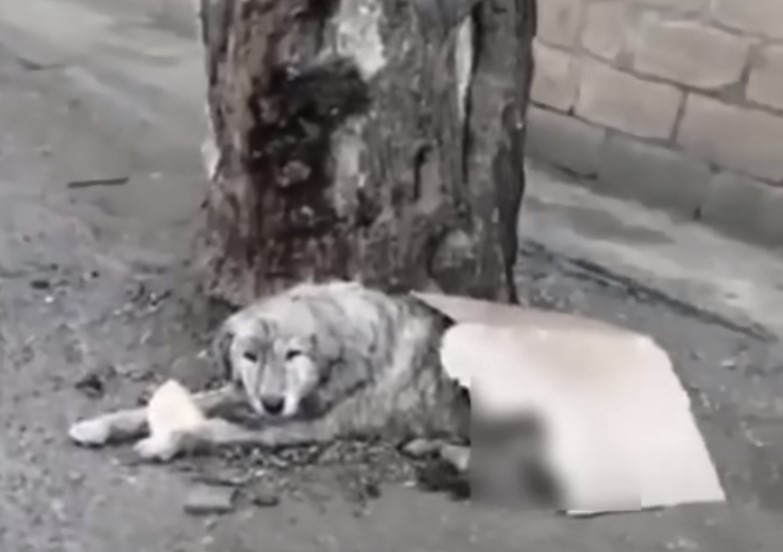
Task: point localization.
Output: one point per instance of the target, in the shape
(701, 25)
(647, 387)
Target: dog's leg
(456, 455)
(222, 433)
(132, 423)
(217, 433)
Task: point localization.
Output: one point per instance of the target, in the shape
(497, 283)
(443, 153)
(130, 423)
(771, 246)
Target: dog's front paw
(159, 448)
(456, 455)
(90, 433)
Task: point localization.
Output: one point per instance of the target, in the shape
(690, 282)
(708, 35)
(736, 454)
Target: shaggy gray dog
(316, 363)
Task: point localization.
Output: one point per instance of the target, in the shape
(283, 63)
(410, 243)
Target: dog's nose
(273, 404)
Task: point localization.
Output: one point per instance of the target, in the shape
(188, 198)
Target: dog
(315, 363)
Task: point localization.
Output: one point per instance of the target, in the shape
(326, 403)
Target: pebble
(209, 500)
(76, 478)
(265, 499)
(40, 284)
(91, 385)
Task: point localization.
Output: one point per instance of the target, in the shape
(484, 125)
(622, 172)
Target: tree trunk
(373, 139)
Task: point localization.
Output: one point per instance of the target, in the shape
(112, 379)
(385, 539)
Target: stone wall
(676, 103)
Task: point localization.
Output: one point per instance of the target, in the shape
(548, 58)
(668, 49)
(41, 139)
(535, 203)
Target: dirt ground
(94, 308)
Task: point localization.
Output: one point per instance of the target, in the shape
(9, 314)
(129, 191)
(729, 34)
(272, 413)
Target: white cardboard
(621, 433)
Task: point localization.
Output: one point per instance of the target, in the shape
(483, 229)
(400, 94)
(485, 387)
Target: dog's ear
(221, 351)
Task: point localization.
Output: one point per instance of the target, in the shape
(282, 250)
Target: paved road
(90, 283)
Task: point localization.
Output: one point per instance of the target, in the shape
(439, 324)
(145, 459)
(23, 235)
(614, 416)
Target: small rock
(91, 385)
(265, 499)
(372, 490)
(40, 283)
(205, 500)
(76, 478)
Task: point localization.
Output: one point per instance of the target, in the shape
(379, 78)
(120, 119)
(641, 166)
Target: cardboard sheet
(621, 435)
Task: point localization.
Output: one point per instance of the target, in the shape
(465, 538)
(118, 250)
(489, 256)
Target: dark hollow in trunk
(373, 139)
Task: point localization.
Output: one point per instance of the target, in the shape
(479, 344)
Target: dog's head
(276, 354)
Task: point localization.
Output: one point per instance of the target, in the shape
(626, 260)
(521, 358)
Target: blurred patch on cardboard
(508, 463)
(620, 435)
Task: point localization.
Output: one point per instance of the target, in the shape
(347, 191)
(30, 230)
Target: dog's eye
(292, 354)
(251, 356)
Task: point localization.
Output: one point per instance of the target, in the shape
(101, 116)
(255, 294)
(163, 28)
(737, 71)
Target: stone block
(564, 141)
(615, 99)
(680, 6)
(760, 17)
(559, 21)
(745, 207)
(605, 31)
(556, 78)
(766, 78)
(204, 500)
(653, 175)
(690, 53)
(744, 139)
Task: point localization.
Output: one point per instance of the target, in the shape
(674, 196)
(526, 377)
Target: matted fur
(331, 360)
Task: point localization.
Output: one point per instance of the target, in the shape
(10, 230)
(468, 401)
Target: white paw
(456, 455)
(90, 433)
(161, 448)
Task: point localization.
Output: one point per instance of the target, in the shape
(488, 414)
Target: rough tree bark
(372, 139)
